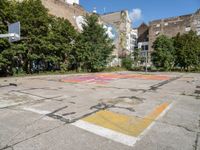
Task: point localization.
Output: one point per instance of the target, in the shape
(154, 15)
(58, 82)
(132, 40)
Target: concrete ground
(104, 111)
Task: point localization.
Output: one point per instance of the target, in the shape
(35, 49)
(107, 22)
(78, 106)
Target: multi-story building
(143, 39)
(134, 38)
(68, 9)
(120, 23)
(120, 27)
(171, 26)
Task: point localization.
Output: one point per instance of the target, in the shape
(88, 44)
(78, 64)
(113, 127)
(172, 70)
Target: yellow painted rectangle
(128, 125)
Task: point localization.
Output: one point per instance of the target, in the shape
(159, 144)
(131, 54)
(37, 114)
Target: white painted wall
(72, 1)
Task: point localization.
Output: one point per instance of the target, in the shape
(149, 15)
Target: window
(198, 31)
(187, 28)
(143, 47)
(158, 25)
(157, 32)
(166, 24)
(146, 47)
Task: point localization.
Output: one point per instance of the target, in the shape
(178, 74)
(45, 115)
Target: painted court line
(107, 133)
(121, 128)
(42, 112)
(129, 125)
(154, 122)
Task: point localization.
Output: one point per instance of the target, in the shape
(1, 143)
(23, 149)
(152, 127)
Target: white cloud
(135, 14)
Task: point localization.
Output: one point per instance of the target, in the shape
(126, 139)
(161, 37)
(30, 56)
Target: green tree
(187, 48)
(127, 62)
(137, 56)
(163, 54)
(93, 47)
(6, 53)
(34, 20)
(46, 40)
(59, 42)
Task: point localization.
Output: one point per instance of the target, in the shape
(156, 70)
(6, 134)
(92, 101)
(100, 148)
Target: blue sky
(144, 10)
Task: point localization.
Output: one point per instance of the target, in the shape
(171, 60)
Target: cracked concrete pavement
(38, 112)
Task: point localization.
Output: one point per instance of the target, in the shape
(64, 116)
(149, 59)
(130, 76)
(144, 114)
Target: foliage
(93, 47)
(46, 40)
(187, 50)
(114, 69)
(127, 62)
(163, 54)
(49, 43)
(137, 56)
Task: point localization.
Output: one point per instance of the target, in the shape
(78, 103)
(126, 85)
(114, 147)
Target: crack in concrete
(196, 141)
(131, 97)
(196, 146)
(58, 117)
(130, 89)
(152, 88)
(127, 108)
(71, 113)
(103, 106)
(59, 109)
(28, 94)
(10, 84)
(38, 101)
(156, 86)
(26, 139)
(186, 128)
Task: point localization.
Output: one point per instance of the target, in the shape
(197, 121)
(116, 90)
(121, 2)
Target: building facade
(120, 23)
(117, 24)
(172, 26)
(68, 9)
(134, 39)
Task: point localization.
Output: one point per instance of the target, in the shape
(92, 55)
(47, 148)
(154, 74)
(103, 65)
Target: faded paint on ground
(107, 78)
(129, 125)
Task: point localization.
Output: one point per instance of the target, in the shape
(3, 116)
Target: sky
(144, 10)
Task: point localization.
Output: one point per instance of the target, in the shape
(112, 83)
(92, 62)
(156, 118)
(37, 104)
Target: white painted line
(154, 122)
(42, 112)
(107, 133)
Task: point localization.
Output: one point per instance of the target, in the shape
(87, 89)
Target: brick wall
(172, 26)
(61, 9)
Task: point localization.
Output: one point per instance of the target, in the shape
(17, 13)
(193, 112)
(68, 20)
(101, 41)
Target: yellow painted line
(124, 124)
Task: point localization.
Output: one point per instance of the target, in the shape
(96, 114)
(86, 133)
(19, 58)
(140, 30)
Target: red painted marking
(106, 78)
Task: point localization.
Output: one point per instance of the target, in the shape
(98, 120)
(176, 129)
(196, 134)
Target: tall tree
(187, 48)
(59, 42)
(46, 40)
(6, 53)
(94, 47)
(163, 54)
(34, 27)
(137, 56)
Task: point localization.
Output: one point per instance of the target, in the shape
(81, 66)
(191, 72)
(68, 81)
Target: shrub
(127, 63)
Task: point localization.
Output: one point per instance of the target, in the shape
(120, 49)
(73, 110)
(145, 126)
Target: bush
(127, 63)
(114, 69)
